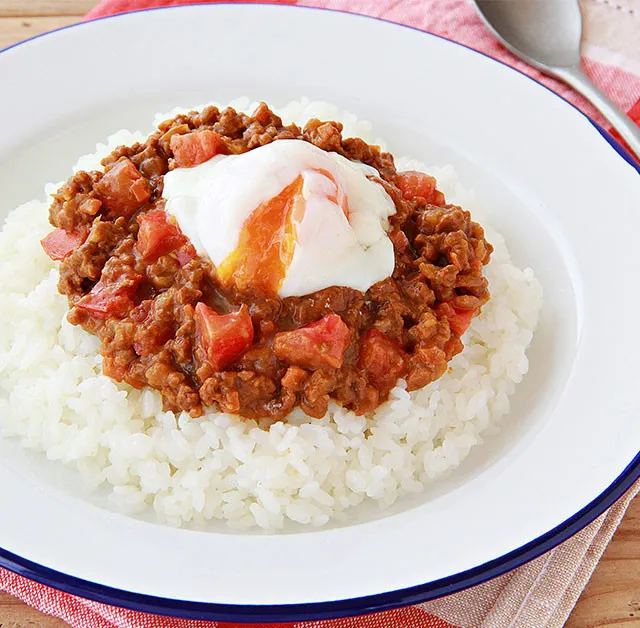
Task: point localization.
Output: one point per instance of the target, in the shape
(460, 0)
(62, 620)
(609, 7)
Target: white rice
(54, 398)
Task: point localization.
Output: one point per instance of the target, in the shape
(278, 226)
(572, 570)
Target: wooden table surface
(612, 598)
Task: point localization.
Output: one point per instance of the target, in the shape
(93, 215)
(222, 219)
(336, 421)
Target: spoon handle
(619, 121)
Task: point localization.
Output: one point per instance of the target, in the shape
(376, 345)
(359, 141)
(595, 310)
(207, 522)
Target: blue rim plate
(246, 612)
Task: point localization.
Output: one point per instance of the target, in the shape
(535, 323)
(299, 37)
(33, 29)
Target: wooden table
(612, 597)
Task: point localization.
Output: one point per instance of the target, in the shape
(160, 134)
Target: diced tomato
(224, 337)
(111, 298)
(185, 254)
(157, 236)
(102, 302)
(122, 189)
(414, 184)
(314, 346)
(382, 359)
(459, 320)
(60, 243)
(192, 149)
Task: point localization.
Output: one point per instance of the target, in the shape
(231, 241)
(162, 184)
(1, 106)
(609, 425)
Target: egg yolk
(268, 239)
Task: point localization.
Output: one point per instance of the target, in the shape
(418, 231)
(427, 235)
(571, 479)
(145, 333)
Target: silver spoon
(546, 34)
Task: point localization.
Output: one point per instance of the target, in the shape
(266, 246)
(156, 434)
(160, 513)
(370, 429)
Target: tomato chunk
(459, 320)
(111, 298)
(186, 253)
(414, 184)
(193, 149)
(60, 243)
(314, 346)
(224, 337)
(382, 359)
(122, 189)
(157, 236)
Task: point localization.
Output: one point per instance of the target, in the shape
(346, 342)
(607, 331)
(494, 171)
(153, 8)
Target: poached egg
(287, 218)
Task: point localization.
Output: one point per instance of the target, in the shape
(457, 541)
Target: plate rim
(359, 605)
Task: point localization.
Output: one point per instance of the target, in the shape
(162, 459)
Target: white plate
(552, 183)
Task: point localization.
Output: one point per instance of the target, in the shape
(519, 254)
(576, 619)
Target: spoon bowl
(545, 33)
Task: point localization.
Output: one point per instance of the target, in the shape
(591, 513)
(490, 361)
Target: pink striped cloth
(542, 593)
